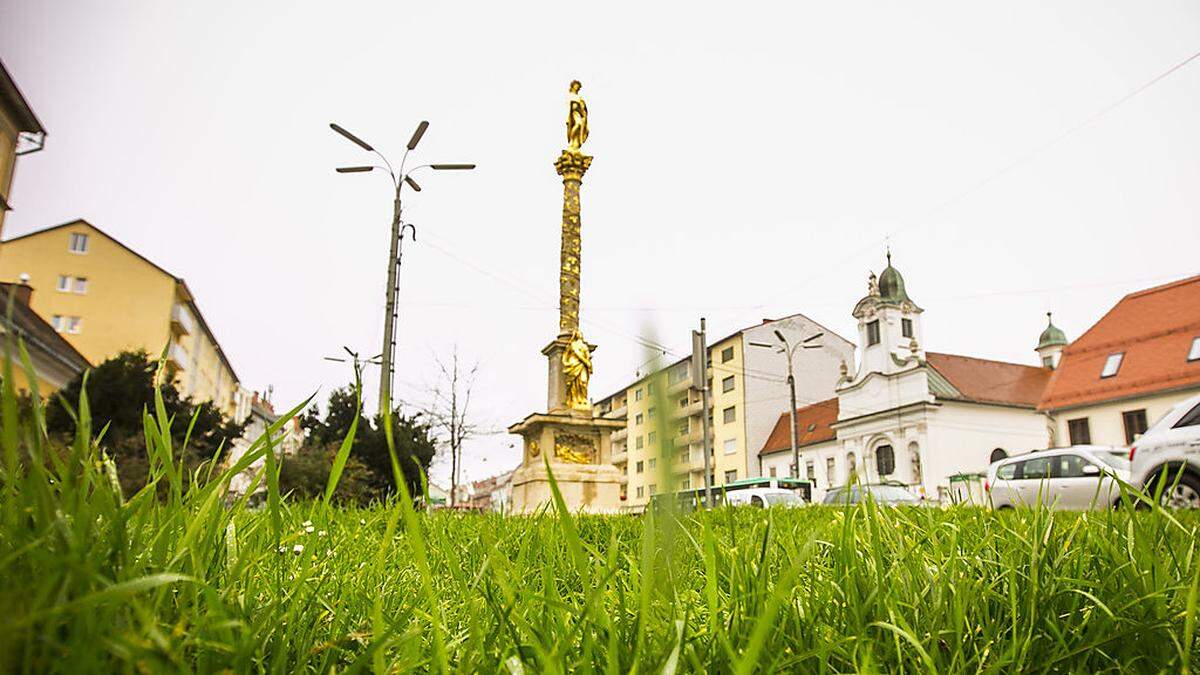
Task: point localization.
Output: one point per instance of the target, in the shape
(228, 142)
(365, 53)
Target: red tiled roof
(1154, 328)
(812, 426)
(986, 381)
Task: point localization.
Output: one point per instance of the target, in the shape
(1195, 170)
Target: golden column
(570, 355)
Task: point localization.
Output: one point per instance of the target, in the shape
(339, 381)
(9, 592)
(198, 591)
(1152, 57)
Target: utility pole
(399, 180)
(700, 381)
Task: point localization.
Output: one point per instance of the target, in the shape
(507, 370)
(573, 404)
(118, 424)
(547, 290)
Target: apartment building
(104, 298)
(748, 391)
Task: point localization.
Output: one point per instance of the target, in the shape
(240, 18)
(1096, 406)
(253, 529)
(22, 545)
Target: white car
(1172, 445)
(1079, 478)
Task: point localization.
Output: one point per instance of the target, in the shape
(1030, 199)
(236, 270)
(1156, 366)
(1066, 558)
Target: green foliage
(413, 444)
(120, 390)
(305, 475)
(94, 582)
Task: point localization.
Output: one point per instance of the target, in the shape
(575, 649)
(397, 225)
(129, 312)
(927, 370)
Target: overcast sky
(750, 161)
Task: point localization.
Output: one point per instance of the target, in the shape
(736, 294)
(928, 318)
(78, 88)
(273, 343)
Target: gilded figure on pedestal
(577, 370)
(577, 123)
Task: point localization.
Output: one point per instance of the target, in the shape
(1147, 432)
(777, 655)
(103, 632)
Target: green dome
(891, 284)
(1052, 336)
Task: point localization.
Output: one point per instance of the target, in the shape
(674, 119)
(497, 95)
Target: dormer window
(1194, 352)
(1112, 364)
(906, 327)
(873, 333)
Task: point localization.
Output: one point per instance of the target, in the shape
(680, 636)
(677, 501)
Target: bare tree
(449, 414)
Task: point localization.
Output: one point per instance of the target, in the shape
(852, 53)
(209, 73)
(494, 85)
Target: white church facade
(909, 416)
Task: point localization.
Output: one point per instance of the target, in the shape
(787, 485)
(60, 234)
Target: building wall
(962, 437)
(127, 305)
(1105, 421)
(8, 158)
(766, 397)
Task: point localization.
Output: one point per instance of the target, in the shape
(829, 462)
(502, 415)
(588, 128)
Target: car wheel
(1183, 493)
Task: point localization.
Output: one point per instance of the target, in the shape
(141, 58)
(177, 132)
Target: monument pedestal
(579, 449)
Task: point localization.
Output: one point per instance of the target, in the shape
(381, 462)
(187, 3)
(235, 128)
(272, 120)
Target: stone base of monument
(580, 454)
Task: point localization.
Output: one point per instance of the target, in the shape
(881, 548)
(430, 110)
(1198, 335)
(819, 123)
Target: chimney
(23, 291)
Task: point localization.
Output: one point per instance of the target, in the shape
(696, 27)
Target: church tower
(1051, 344)
(889, 325)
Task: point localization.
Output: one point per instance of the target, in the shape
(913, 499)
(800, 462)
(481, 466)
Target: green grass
(175, 580)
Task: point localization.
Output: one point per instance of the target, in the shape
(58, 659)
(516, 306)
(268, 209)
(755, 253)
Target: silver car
(1079, 478)
(1172, 448)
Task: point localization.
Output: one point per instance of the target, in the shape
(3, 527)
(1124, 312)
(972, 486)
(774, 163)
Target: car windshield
(781, 498)
(1116, 461)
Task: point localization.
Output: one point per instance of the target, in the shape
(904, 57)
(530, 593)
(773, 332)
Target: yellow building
(16, 119)
(104, 297)
(748, 391)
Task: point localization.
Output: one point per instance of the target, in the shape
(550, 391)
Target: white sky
(751, 158)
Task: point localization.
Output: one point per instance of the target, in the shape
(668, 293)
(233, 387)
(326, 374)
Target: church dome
(891, 285)
(1052, 336)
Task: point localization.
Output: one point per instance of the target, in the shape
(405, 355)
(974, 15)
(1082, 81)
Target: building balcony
(177, 356)
(620, 457)
(691, 437)
(617, 413)
(620, 435)
(680, 386)
(181, 320)
(692, 408)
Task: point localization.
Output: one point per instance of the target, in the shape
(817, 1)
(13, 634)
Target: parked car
(1171, 444)
(763, 498)
(1080, 477)
(880, 493)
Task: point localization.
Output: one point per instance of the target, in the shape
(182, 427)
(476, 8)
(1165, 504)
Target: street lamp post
(399, 180)
(789, 350)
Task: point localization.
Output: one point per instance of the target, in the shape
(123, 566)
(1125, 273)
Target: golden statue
(574, 449)
(577, 370)
(577, 125)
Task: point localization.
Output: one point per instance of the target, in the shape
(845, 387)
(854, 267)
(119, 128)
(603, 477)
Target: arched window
(851, 468)
(998, 454)
(885, 460)
(914, 452)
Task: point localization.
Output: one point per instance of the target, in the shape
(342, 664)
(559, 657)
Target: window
(80, 285)
(1135, 424)
(730, 476)
(811, 470)
(682, 429)
(1034, 469)
(1008, 471)
(637, 419)
(873, 333)
(74, 324)
(729, 415)
(1112, 364)
(650, 437)
(1047, 361)
(653, 462)
(731, 446)
(79, 243)
(57, 322)
(640, 468)
(1194, 352)
(685, 484)
(641, 492)
(997, 455)
(915, 451)
(64, 283)
(830, 469)
(650, 413)
(1191, 419)
(683, 402)
(650, 388)
(677, 375)
(727, 384)
(1067, 466)
(906, 327)
(727, 354)
(885, 460)
(772, 472)
(638, 443)
(637, 394)
(1079, 431)
(653, 489)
